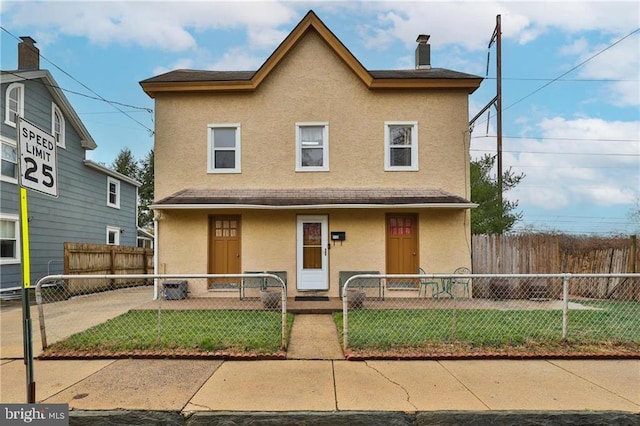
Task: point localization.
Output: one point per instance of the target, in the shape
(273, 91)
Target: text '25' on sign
(38, 165)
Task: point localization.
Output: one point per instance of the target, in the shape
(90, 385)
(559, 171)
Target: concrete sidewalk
(188, 386)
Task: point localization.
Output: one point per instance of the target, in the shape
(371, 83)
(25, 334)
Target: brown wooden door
(402, 243)
(224, 249)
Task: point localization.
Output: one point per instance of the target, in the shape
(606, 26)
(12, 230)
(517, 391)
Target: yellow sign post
(24, 222)
(26, 305)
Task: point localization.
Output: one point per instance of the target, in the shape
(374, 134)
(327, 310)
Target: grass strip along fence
(614, 324)
(192, 331)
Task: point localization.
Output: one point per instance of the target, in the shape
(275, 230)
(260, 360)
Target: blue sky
(576, 138)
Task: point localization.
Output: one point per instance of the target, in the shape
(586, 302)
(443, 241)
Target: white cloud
(237, 59)
(578, 161)
(159, 24)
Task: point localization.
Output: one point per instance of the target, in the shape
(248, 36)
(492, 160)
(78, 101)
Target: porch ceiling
(306, 198)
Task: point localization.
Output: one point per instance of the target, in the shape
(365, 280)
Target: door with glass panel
(312, 253)
(224, 248)
(402, 243)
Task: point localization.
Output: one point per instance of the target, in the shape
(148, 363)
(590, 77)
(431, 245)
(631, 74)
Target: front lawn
(187, 331)
(614, 325)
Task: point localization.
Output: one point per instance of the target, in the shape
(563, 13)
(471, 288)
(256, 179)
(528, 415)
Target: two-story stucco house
(312, 165)
(94, 204)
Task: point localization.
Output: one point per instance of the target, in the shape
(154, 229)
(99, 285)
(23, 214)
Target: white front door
(313, 253)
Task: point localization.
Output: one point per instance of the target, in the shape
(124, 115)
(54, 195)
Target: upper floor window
(14, 104)
(113, 192)
(312, 146)
(57, 125)
(9, 241)
(113, 236)
(9, 166)
(224, 148)
(401, 145)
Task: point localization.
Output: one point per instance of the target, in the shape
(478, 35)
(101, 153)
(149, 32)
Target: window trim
(210, 148)
(18, 257)
(7, 111)
(325, 147)
(414, 147)
(54, 109)
(111, 180)
(116, 231)
(12, 143)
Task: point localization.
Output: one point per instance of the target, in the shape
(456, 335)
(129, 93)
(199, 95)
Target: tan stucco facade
(268, 241)
(312, 84)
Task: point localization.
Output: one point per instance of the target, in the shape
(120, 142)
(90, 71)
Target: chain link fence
(465, 313)
(162, 315)
(426, 314)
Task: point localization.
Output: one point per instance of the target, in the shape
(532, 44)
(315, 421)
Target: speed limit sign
(38, 165)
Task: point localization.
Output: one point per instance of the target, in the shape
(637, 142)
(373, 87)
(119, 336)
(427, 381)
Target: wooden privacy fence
(99, 259)
(552, 254)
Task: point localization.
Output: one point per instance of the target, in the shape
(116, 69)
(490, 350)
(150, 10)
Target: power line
(573, 68)
(559, 78)
(558, 139)
(562, 153)
(99, 97)
(584, 80)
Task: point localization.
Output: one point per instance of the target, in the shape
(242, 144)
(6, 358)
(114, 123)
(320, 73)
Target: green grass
(384, 329)
(188, 330)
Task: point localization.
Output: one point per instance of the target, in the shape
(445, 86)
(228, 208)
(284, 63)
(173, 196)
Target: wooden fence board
(549, 254)
(100, 259)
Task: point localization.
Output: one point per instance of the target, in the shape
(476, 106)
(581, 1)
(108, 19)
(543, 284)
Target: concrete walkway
(314, 337)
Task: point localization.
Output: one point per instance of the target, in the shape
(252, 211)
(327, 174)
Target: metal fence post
(43, 330)
(565, 306)
(345, 320)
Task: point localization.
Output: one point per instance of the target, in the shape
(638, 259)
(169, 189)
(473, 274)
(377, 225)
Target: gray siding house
(94, 204)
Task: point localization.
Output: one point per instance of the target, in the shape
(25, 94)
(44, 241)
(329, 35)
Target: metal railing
(177, 314)
(422, 311)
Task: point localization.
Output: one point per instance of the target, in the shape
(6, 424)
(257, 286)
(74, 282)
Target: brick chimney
(423, 53)
(28, 54)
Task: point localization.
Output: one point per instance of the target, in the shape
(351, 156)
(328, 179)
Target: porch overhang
(311, 198)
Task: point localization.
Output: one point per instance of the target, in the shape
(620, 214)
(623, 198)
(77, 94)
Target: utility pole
(497, 36)
(497, 100)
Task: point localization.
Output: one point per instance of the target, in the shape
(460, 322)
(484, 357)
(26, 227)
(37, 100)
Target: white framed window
(9, 239)
(14, 104)
(8, 161)
(113, 192)
(223, 148)
(113, 236)
(312, 147)
(401, 145)
(57, 125)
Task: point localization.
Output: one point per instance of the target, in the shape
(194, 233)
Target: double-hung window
(14, 104)
(113, 192)
(9, 241)
(401, 145)
(224, 148)
(57, 125)
(9, 161)
(312, 147)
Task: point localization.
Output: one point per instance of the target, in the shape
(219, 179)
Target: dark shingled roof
(192, 76)
(312, 196)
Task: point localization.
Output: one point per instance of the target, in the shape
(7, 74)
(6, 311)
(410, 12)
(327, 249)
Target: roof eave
(206, 206)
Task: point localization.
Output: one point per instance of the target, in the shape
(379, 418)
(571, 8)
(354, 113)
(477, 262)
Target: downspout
(156, 217)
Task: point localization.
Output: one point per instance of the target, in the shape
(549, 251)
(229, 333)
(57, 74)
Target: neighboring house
(312, 165)
(94, 204)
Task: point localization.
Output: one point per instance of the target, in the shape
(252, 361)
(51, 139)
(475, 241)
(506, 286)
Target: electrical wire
(98, 96)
